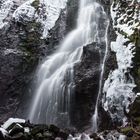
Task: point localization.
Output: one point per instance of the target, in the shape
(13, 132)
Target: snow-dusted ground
(22, 10)
(11, 121)
(5, 10)
(118, 88)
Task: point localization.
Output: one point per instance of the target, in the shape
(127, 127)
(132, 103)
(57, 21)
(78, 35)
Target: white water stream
(55, 87)
(95, 116)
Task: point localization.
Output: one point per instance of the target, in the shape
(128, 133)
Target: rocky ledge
(19, 129)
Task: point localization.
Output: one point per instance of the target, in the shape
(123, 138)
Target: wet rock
(19, 136)
(1, 136)
(54, 129)
(95, 136)
(16, 129)
(17, 65)
(48, 134)
(38, 129)
(86, 79)
(38, 136)
(63, 134)
(127, 131)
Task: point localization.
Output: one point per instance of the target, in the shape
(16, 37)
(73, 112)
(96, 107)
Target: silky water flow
(55, 82)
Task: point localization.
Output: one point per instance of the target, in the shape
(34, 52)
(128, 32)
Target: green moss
(137, 119)
(35, 4)
(139, 72)
(135, 37)
(126, 130)
(31, 40)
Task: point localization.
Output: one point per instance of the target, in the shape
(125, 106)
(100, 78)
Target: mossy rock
(127, 131)
(135, 37)
(35, 4)
(137, 120)
(30, 38)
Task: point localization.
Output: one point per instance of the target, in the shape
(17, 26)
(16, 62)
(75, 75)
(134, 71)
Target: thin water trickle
(95, 115)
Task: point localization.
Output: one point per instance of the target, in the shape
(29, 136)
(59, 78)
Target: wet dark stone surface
(86, 75)
(18, 60)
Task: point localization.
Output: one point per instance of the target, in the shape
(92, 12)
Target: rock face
(19, 56)
(21, 48)
(87, 75)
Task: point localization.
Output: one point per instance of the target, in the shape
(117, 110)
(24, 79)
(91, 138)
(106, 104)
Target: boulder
(16, 129)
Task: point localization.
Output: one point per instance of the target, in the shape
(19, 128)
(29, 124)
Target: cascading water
(55, 87)
(95, 116)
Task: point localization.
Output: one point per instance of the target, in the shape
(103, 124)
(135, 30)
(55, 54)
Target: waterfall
(55, 84)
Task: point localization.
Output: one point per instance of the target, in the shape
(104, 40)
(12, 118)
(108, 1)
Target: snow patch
(124, 53)
(52, 11)
(138, 94)
(47, 13)
(25, 12)
(11, 121)
(125, 22)
(112, 135)
(12, 51)
(4, 132)
(79, 137)
(27, 129)
(5, 10)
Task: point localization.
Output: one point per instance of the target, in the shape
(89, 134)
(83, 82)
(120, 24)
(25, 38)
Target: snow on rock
(124, 54)
(119, 94)
(27, 129)
(12, 51)
(4, 132)
(25, 12)
(5, 10)
(118, 88)
(10, 121)
(53, 9)
(79, 137)
(138, 94)
(125, 21)
(46, 13)
(112, 135)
